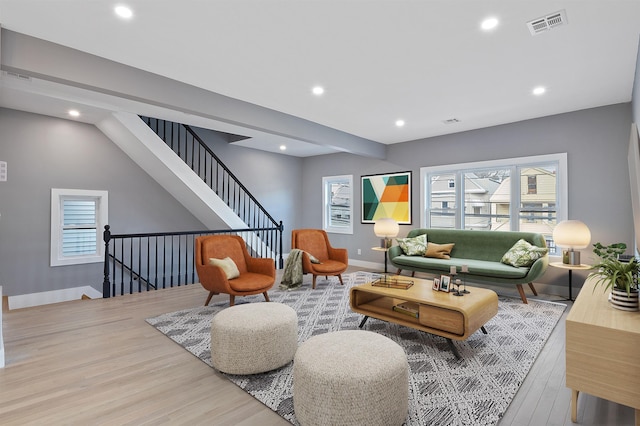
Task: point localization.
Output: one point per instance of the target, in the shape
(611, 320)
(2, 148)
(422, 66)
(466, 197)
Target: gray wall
(635, 99)
(595, 140)
(43, 153)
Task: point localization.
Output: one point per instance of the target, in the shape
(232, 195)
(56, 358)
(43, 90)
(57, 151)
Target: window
(77, 220)
(517, 194)
(532, 184)
(337, 199)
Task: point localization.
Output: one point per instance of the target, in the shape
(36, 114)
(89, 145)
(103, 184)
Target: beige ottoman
(253, 338)
(350, 377)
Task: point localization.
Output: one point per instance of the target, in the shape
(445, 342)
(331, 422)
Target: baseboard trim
(53, 296)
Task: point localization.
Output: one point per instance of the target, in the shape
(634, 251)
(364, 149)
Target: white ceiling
(424, 61)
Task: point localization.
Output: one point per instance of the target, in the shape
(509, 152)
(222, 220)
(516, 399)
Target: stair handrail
(108, 237)
(218, 161)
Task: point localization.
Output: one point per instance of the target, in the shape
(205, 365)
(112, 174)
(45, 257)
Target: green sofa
(481, 251)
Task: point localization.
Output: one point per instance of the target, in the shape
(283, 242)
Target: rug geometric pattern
(475, 390)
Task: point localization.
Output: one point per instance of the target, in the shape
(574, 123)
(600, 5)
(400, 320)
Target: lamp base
(386, 243)
(570, 257)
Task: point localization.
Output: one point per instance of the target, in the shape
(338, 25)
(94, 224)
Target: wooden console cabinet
(602, 351)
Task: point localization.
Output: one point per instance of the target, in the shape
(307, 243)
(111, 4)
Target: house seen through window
(521, 194)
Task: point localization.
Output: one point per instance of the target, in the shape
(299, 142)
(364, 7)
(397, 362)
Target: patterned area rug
(475, 390)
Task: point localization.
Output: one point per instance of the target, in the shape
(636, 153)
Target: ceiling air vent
(451, 121)
(547, 23)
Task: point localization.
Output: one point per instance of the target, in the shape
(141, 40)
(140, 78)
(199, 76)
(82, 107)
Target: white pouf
(350, 377)
(253, 338)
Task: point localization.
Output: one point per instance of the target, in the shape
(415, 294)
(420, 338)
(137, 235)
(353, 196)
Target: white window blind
(79, 227)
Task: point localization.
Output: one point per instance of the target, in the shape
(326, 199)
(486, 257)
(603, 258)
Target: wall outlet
(359, 251)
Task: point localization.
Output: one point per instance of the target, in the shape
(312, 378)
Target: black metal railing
(201, 159)
(134, 263)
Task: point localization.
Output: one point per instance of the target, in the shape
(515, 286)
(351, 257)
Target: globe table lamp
(571, 235)
(386, 228)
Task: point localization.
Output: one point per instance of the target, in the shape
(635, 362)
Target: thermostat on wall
(3, 171)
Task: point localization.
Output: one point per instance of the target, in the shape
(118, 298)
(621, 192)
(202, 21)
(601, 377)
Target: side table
(570, 268)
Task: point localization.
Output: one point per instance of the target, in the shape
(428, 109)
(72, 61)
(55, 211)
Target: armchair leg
(340, 278)
(266, 297)
(313, 282)
(522, 295)
(533, 289)
(232, 300)
(211, 293)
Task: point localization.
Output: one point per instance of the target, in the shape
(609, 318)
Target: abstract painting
(387, 195)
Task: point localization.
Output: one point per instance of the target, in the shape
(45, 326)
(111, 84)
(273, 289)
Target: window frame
(327, 181)
(57, 224)
(514, 164)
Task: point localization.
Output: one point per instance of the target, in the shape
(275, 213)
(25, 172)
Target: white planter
(620, 300)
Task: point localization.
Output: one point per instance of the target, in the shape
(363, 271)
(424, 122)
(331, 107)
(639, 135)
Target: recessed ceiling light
(489, 24)
(318, 90)
(74, 113)
(539, 90)
(124, 12)
(399, 123)
(283, 147)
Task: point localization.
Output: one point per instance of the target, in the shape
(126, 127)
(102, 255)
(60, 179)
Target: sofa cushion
(228, 266)
(522, 254)
(478, 269)
(440, 251)
(413, 246)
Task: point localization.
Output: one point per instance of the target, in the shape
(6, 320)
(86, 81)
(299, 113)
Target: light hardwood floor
(98, 362)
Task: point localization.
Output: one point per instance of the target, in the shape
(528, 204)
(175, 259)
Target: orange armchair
(333, 261)
(257, 275)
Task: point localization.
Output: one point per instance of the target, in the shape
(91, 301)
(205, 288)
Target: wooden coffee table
(439, 313)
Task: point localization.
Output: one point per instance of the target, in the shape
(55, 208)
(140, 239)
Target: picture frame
(445, 280)
(386, 195)
(436, 284)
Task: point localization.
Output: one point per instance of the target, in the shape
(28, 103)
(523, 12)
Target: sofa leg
(313, 282)
(533, 289)
(340, 278)
(266, 297)
(232, 300)
(522, 295)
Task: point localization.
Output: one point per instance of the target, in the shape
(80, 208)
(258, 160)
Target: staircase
(200, 181)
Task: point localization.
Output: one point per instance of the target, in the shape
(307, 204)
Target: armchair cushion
(228, 266)
(250, 283)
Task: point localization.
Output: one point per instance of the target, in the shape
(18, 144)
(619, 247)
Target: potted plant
(618, 276)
